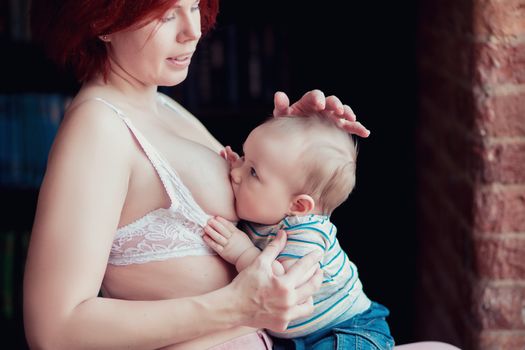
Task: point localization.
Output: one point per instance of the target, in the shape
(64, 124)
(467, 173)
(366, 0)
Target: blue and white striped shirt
(341, 295)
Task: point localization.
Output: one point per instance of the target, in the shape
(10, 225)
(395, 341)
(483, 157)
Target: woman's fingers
(281, 104)
(269, 254)
(355, 128)
(303, 269)
(306, 290)
(303, 309)
(335, 105)
(312, 101)
(348, 113)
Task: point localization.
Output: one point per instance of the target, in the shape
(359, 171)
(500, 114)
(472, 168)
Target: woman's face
(158, 53)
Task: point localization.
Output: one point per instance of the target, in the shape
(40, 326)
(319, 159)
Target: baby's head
(293, 166)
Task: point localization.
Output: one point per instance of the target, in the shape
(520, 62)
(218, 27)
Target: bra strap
(154, 157)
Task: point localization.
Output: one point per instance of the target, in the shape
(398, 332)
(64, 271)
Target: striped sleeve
(302, 241)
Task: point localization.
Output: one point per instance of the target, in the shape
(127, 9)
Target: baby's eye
(253, 172)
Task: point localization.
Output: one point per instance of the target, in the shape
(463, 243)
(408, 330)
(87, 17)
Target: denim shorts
(365, 331)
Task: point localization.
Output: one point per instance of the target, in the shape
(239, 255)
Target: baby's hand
(226, 239)
(231, 157)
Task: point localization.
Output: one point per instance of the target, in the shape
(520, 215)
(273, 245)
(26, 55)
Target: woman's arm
(78, 212)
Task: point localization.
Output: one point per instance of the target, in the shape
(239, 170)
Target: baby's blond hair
(329, 158)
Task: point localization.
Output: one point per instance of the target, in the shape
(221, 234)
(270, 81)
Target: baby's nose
(235, 175)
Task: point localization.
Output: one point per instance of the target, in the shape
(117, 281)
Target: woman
(131, 180)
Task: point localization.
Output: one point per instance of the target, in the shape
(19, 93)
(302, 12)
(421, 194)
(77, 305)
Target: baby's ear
(302, 204)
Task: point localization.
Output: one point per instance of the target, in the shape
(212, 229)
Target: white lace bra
(162, 233)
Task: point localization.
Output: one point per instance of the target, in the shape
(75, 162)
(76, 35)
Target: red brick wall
(471, 159)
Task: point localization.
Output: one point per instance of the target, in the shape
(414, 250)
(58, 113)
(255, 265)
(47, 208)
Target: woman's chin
(175, 79)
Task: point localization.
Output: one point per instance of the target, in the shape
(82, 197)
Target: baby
(295, 171)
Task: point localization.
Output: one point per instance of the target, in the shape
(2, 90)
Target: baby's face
(266, 180)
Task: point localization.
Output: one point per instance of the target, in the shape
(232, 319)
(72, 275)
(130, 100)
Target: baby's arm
(230, 243)
(300, 242)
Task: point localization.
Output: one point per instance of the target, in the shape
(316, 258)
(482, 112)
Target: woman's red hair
(69, 30)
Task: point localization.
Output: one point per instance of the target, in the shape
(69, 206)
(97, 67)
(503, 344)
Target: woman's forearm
(103, 323)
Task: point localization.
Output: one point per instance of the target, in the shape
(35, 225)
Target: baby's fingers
(224, 225)
(212, 244)
(216, 236)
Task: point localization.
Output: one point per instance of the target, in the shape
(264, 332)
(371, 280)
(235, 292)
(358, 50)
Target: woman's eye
(196, 7)
(253, 172)
(168, 18)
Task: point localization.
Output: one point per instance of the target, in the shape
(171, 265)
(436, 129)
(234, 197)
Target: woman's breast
(173, 278)
(205, 174)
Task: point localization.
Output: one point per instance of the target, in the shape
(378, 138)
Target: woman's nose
(190, 29)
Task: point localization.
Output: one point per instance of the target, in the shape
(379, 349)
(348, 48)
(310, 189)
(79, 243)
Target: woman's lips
(181, 61)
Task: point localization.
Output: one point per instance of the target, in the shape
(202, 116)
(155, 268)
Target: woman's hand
(268, 300)
(315, 102)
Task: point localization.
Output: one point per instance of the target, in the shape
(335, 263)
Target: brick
(503, 163)
(499, 307)
(501, 116)
(500, 63)
(500, 257)
(500, 340)
(497, 17)
(500, 209)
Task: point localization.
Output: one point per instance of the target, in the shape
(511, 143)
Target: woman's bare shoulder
(96, 118)
(92, 124)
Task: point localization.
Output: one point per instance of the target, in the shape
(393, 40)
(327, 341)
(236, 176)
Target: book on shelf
(17, 13)
(28, 125)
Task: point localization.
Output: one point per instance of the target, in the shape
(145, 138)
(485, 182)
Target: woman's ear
(105, 38)
(302, 204)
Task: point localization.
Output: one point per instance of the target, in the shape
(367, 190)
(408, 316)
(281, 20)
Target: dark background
(363, 52)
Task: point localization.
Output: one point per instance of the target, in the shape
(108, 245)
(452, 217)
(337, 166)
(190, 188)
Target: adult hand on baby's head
(271, 301)
(315, 102)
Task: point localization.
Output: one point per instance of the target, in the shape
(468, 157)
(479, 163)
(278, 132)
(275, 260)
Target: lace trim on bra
(162, 233)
